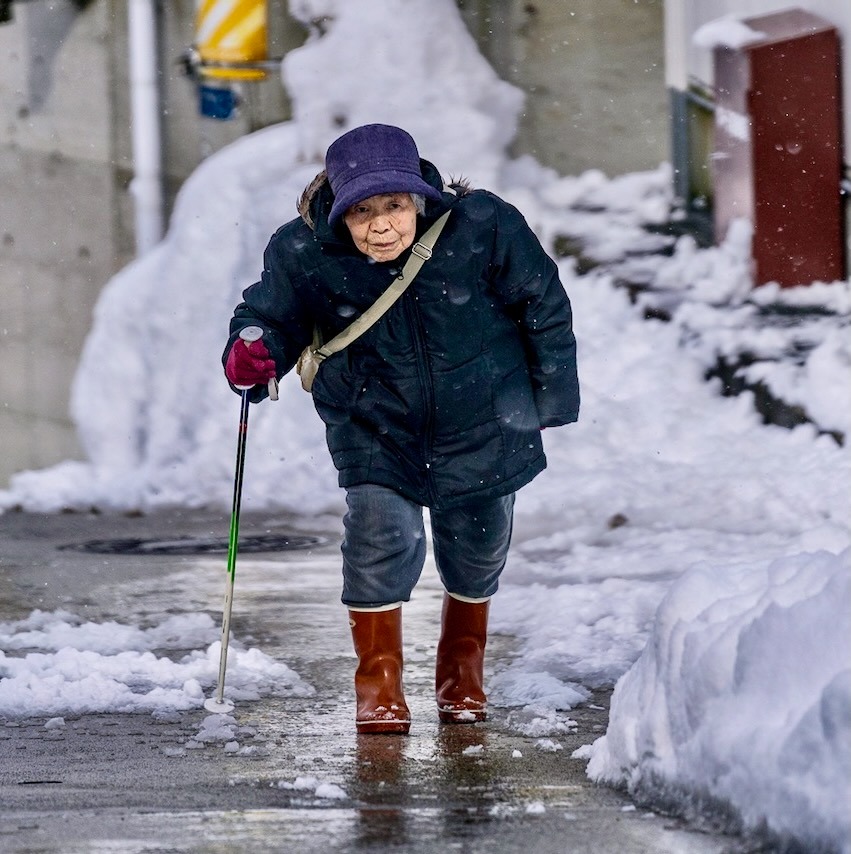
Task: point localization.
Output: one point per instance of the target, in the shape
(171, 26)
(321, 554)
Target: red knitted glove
(249, 364)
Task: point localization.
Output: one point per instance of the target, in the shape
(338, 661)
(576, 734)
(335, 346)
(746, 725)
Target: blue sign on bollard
(217, 102)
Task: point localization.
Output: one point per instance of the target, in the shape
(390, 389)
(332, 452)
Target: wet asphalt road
(129, 783)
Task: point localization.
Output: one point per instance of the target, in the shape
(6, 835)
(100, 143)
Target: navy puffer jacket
(444, 397)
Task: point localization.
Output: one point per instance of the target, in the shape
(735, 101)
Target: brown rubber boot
(381, 706)
(459, 673)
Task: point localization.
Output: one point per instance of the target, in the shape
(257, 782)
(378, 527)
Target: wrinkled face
(384, 226)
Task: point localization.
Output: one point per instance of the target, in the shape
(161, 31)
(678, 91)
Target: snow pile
(223, 729)
(728, 31)
(658, 475)
(794, 341)
(74, 667)
(421, 63)
(217, 729)
(719, 275)
(726, 642)
(312, 785)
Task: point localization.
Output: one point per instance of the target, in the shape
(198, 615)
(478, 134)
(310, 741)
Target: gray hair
(419, 202)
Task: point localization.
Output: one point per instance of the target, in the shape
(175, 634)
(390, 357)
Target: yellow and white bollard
(230, 39)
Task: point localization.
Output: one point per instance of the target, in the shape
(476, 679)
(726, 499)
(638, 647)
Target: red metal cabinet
(778, 147)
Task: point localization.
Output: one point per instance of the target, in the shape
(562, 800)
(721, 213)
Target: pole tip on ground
(223, 707)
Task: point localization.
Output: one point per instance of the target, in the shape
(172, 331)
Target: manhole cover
(197, 545)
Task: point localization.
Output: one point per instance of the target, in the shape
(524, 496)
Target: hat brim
(378, 183)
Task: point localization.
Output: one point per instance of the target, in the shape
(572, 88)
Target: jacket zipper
(426, 389)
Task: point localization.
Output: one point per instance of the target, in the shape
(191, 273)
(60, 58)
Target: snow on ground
(674, 543)
(725, 643)
(56, 664)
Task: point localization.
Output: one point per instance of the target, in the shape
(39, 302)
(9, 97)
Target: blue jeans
(384, 548)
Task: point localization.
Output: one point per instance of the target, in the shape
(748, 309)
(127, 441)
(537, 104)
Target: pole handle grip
(255, 333)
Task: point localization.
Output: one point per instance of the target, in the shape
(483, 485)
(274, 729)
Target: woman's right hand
(249, 364)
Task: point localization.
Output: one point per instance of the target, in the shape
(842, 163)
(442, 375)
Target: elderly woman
(440, 403)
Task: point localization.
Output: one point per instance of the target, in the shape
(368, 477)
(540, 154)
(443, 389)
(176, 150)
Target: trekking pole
(218, 704)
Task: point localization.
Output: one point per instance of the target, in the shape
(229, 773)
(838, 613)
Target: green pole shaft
(233, 540)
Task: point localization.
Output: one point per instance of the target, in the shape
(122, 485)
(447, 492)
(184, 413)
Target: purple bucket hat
(371, 160)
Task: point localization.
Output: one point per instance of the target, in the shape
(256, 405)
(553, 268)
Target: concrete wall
(66, 214)
(57, 216)
(593, 73)
(596, 99)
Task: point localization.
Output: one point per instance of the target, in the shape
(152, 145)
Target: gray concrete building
(592, 70)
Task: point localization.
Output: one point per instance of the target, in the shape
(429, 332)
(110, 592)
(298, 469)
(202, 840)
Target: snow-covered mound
(57, 664)
(742, 697)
